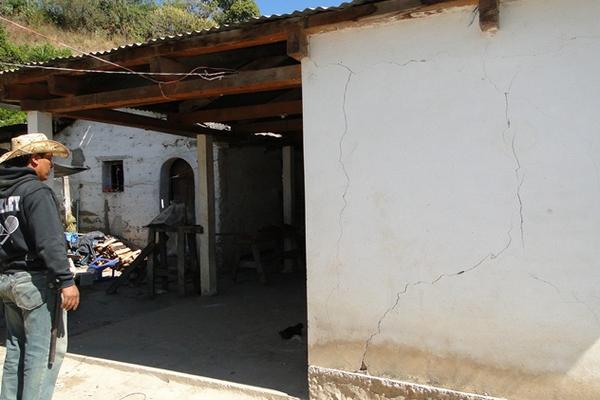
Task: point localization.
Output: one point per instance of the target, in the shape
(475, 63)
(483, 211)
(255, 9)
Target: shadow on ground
(232, 336)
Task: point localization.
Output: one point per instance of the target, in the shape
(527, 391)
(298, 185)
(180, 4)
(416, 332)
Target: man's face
(42, 164)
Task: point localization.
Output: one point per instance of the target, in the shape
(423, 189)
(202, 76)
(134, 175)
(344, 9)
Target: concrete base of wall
(328, 383)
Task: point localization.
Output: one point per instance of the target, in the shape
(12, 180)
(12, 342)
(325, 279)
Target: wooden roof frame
(263, 93)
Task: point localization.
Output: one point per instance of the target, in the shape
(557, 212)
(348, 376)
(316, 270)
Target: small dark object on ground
(291, 331)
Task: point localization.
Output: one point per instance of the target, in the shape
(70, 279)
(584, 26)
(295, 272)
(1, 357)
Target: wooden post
(205, 215)
(67, 197)
(288, 201)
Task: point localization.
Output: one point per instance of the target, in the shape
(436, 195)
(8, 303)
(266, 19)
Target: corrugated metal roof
(247, 24)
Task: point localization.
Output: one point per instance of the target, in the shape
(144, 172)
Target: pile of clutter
(95, 256)
(113, 249)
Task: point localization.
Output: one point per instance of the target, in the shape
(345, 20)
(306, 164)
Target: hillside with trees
(94, 25)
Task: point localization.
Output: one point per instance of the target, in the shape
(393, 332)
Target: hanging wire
(218, 74)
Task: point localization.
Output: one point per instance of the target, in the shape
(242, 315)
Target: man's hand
(70, 298)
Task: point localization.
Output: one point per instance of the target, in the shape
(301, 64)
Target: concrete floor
(231, 337)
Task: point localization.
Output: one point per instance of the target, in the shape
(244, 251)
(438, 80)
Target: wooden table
(160, 252)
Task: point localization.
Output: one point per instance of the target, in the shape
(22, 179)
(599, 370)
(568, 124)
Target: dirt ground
(232, 336)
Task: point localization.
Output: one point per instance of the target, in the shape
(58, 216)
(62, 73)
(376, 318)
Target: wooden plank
(104, 244)
(238, 113)
(242, 82)
(135, 265)
(122, 251)
(167, 65)
(141, 122)
(489, 15)
(21, 91)
(61, 85)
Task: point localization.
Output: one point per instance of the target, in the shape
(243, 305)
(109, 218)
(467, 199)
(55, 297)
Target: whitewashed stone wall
(143, 154)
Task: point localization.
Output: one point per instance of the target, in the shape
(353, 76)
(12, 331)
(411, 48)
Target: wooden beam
(489, 15)
(279, 126)
(61, 85)
(21, 91)
(139, 121)
(297, 44)
(193, 105)
(242, 82)
(165, 65)
(239, 113)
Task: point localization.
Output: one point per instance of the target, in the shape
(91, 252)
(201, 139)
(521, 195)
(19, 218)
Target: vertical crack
(343, 168)
(518, 175)
(520, 178)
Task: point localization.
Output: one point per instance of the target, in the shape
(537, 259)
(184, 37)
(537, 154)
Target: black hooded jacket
(31, 234)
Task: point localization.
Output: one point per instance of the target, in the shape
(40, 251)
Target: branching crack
(520, 178)
(488, 257)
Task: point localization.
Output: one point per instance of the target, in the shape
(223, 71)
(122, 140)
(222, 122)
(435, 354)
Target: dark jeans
(29, 309)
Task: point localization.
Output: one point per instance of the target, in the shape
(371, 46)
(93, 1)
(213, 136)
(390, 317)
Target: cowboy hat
(34, 143)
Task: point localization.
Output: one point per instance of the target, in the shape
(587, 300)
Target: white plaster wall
(143, 153)
(453, 200)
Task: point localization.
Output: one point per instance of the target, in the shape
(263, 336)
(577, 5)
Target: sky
(269, 7)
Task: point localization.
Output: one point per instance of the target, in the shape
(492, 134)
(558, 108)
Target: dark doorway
(177, 185)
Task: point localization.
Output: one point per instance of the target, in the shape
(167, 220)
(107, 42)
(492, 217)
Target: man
(34, 270)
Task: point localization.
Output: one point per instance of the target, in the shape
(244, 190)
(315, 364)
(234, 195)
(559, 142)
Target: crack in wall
(343, 167)
(589, 308)
(488, 257)
(520, 180)
(574, 295)
(537, 278)
(404, 64)
(519, 177)
(347, 184)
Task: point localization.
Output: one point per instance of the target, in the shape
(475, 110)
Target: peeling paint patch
(326, 383)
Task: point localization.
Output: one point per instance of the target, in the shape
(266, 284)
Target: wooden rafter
(22, 91)
(60, 85)
(140, 121)
(239, 113)
(242, 82)
(278, 126)
(489, 15)
(166, 65)
(297, 44)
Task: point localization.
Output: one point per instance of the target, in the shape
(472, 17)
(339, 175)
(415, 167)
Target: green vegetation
(13, 53)
(120, 21)
(135, 20)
